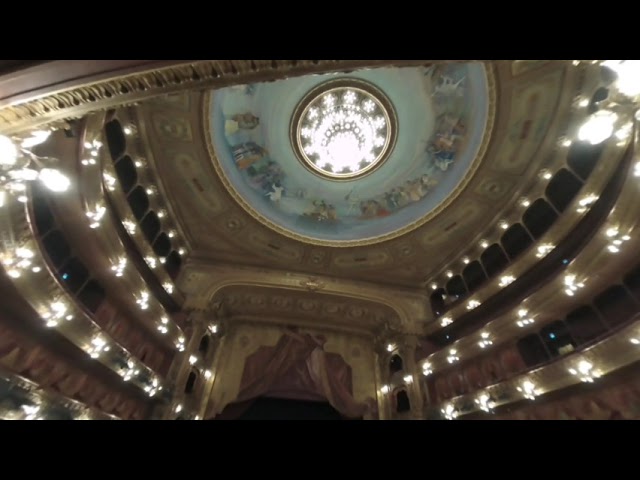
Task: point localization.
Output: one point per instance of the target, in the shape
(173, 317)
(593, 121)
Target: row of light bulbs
(131, 226)
(596, 129)
(582, 369)
(95, 216)
(17, 166)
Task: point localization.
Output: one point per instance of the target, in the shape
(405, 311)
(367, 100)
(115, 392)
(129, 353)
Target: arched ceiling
(522, 106)
(440, 114)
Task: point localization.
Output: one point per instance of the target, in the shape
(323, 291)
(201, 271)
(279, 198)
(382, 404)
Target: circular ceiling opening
(343, 129)
(352, 159)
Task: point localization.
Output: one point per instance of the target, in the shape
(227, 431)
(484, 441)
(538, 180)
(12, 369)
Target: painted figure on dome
(241, 121)
(246, 154)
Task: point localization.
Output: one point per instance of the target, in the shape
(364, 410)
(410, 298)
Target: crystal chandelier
(618, 112)
(343, 128)
(18, 165)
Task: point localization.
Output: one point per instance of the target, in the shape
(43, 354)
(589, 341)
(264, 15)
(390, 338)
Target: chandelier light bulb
(628, 72)
(8, 152)
(54, 180)
(343, 128)
(36, 138)
(598, 127)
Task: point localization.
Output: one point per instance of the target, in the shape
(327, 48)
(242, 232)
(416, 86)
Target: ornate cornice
(203, 74)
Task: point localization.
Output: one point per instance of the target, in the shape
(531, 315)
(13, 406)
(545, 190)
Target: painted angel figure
(276, 194)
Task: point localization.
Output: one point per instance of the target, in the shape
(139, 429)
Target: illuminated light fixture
(161, 214)
(119, 267)
(343, 128)
(426, 369)
(465, 260)
(524, 322)
(576, 63)
(449, 412)
(98, 345)
(528, 390)
(96, 216)
(598, 127)
(143, 300)
(391, 347)
(506, 280)
(623, 132)
(546, 174)
(571, 285)
(213, 328)
(583, 103)
(168, 287)
(192, 359)
(162, 260)
(626, 238)
(635, 341)
(164, 320)
(385, 389)
(109, 181)
(636, 170)
(485, 342)
(151, 190)
(525, 202)
(151, 261)
(182, 251)
(484, 243)
(57, 311)
(613, 249)
(207, 374)
(473, 304)
(139, 163)
(612, 232)
(129, 226)
(31, 412)
(503, 225)
(453, 356)
(408, 379)
(485, 403)
(18, 165)
(449, 273)
(434, 286)
(130, 129)
(172, 233)
(446, 321)
(162, 329)
(628, 73)
(544, 249)
(178, 408)
(18, 262)
(585, 372)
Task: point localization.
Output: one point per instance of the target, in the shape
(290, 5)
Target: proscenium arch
(410, 307)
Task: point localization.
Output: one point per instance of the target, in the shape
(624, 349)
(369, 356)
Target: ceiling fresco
(528, 114)
(441, 127)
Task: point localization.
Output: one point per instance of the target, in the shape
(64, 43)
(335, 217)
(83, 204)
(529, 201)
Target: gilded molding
(201, 281)
(204, 74)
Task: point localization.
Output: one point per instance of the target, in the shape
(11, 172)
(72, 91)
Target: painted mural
(441, 112)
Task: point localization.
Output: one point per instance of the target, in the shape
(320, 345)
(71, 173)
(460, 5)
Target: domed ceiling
(351, 159)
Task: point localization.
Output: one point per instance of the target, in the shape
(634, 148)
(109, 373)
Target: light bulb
(8, 151)
(598, 127)
(54, 180)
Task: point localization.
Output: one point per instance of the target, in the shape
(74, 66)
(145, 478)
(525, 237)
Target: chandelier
(19, 165)
(612, 114)
(343, 128)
